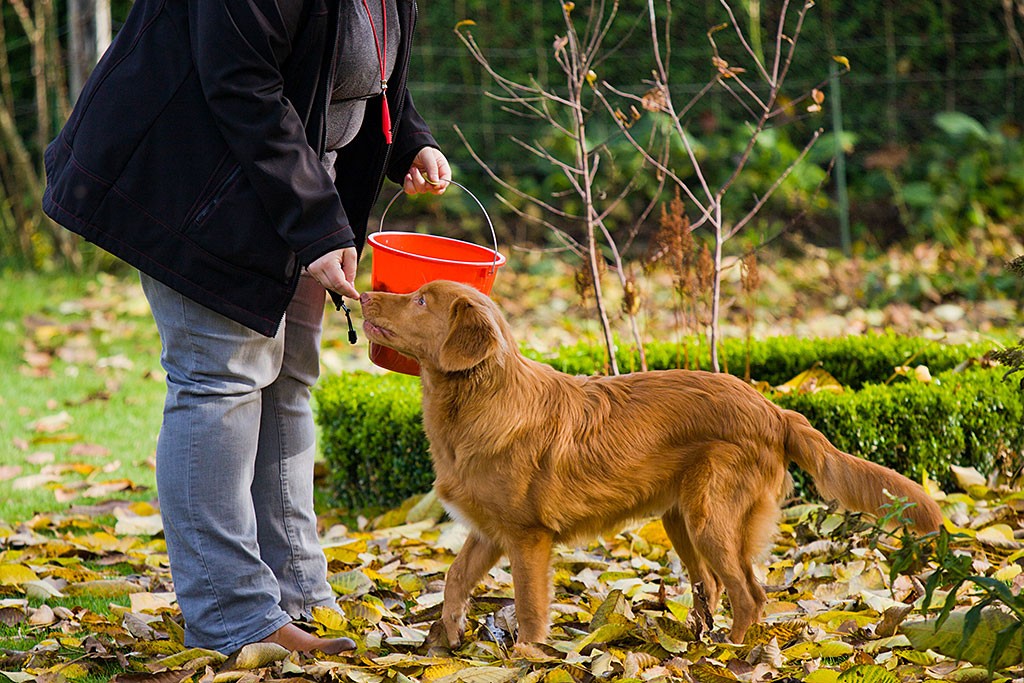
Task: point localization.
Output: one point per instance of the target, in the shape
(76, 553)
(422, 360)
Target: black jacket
(193, 152)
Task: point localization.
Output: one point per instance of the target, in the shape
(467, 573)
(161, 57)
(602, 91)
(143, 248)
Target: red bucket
(403, 261)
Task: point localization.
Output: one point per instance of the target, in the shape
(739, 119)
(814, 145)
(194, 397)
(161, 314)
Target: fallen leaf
(16, 575)
(8, 472)
(948, 638)
(52, 423)
(90, 450)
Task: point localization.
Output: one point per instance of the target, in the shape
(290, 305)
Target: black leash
(339, 305)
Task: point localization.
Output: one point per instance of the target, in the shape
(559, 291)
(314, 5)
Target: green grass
(113, 397)
(114, 400)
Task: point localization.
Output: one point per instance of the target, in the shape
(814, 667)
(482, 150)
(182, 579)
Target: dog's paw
(528, 651)
(444, 633)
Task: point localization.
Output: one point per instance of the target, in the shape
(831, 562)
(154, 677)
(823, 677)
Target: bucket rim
(498, 260)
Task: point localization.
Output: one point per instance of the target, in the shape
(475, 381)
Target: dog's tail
(858, 484)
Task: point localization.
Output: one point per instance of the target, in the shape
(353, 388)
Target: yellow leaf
(350, 583)
(360, 611)
(828, 649)
(810, 382)
(255, 655)
(70, 671)
(868, 673)
(707, 673)
(143, 509)
(149, 602)
(822, 676)
(16, 575)
(654, 533)
(411, 583)
(680, 606)
(194, 657)
(997, 533)
(330, 619)
(954, 529)
(967, 476)
(605, 634)
(346, 554)
(438, 671)
(464, 23)
(842, 60)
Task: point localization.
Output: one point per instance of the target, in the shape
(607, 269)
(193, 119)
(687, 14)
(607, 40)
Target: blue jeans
(234, 467)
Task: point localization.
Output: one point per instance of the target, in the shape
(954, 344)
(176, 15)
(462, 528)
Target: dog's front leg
(477, 556)
(530, 555)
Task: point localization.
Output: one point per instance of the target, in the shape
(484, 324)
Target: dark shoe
(294, 638)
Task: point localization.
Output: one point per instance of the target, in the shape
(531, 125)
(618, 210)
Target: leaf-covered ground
(85, 592)
(90, 591)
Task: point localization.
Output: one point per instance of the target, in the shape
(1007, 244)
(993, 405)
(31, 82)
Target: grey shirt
(357, 70)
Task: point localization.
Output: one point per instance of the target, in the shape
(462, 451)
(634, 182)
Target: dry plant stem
(711, 207)
(575, 54)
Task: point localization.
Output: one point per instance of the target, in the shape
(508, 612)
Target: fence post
(840, 156)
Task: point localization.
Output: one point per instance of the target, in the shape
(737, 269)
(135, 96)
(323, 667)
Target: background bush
(377, 453)
(852, 360)
(913, 65)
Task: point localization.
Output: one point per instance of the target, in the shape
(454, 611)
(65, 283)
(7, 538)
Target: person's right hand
(336, 270)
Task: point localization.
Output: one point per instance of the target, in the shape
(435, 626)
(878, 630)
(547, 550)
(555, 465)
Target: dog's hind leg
(707, 589)
(721, 543)
(477, 556)
(726, 516)
(530, 555)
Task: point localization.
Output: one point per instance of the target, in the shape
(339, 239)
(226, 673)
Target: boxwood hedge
(372, 436)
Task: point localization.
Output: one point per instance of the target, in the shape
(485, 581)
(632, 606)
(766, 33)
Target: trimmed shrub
(377, 453)
(371, 434)
(854, 361)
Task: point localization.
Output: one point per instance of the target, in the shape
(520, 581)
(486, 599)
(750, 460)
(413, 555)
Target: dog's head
(446, 326)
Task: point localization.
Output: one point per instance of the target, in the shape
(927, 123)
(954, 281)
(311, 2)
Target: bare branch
(504, 183)
(746, 45)
(778, 181)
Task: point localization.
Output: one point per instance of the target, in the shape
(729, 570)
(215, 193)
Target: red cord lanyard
(382, 53)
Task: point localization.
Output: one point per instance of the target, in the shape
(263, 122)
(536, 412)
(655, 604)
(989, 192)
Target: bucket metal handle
(494, 235)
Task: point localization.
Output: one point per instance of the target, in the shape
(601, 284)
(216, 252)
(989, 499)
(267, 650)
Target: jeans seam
(193, 469)
(295, 559)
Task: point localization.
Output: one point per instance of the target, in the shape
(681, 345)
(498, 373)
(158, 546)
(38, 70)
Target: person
(231, 151)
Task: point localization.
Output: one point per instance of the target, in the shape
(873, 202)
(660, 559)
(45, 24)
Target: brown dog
(528, 456)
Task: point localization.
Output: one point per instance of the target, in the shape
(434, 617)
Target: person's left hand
(429, 172)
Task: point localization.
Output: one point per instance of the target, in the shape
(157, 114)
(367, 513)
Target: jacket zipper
(218, 194)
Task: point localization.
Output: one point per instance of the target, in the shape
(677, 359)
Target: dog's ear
(473, 336)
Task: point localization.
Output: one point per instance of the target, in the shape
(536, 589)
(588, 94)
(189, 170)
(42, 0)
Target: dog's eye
(421, 301)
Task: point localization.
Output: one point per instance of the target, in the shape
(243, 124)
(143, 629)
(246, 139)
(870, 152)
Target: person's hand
(336, 270)
(429, 172)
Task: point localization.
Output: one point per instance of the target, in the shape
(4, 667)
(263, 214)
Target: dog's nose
(363, 298)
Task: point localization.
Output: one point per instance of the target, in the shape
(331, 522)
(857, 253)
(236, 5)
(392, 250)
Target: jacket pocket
(220, 190)
(232, 225)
